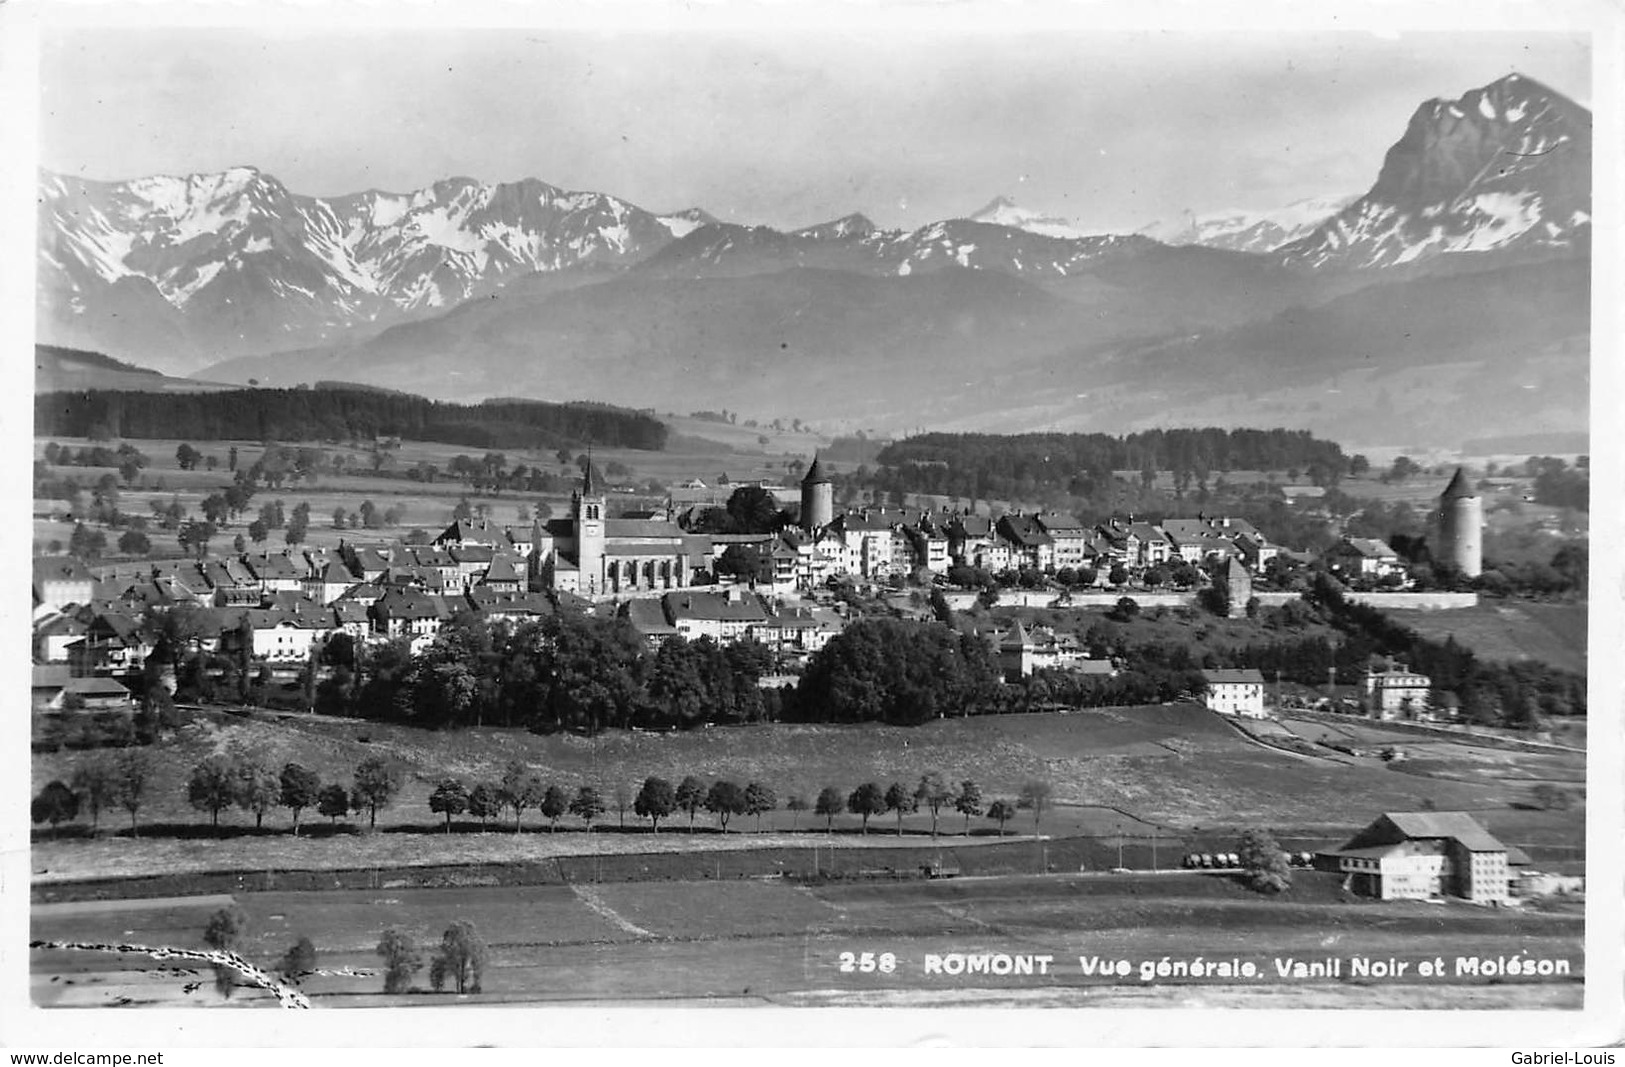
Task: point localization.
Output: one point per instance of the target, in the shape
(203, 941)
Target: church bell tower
(589, 506)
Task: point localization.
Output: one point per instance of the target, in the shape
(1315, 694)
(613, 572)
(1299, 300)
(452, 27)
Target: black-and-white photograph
(768, 512)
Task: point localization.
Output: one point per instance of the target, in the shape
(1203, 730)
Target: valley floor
(778, 943)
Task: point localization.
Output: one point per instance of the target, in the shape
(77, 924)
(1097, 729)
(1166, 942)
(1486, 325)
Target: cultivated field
(426, 506)
(772, 942)
(1113, 771)
(1512, 631)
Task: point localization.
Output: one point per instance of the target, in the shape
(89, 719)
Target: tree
(519, 789)
(96, 781)
(1034, 795)
(401, 959)
(1264, 863)
(333, 802)
(555, 804)
(896, 671)
(485, 803)
(298, 961)
(623, 798)
(215, 508)
(759, 799)
(461, 958)
(656, 800)
(212, 786)
(968, 802)
(1003, 811)
(56, 803)
(258, 531)
(300, 788)
(258, 788)
(933, 792)
(86, 543)
(1125, 609)
(194, 537)
(449, 798)
(753, 509)
(224, 932)
(690, 797)
(226, 928)
(795, 806)
(725, 800)
(186, 457)
(376, 783)
(900, 800)
(830, 804)
(866, 800)
(587, 805)
(134, 543)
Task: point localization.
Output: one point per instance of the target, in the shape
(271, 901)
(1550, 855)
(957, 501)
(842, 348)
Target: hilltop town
(776, 588)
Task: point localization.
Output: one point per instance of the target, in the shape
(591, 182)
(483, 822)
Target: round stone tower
(817, 499)
(1461, 527)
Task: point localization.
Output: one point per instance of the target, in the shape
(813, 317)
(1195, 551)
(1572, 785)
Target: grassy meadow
(1131, 770)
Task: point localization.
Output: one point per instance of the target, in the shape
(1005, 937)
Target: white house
(723, 617)
(1235, 692)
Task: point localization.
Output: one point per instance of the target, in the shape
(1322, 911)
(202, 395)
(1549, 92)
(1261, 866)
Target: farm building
(1417, 855)
(1235, 692)
(54, 691)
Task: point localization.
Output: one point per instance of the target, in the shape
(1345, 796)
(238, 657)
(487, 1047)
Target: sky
(782, 127)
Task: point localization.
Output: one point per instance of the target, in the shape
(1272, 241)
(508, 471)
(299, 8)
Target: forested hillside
(1020, 465)
(340, 414)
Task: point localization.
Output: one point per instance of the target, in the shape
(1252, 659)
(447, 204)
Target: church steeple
(589, 532)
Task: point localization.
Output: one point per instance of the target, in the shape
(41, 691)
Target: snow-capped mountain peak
(853, 225)
(1002, 211)
(1506, 166)
(1241, 230)
(241, 263)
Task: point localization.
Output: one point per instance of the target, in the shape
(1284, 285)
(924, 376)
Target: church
(594, 556)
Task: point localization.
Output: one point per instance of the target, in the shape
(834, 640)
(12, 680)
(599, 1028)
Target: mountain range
(1004, 319)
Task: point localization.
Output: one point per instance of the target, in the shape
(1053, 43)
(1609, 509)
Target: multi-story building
(1069, 539)
(1396, 693)
(1422, 854)
(723, 617)
(1030, 545)
(1235, 692)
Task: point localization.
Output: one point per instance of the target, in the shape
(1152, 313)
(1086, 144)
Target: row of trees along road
(241, 780)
